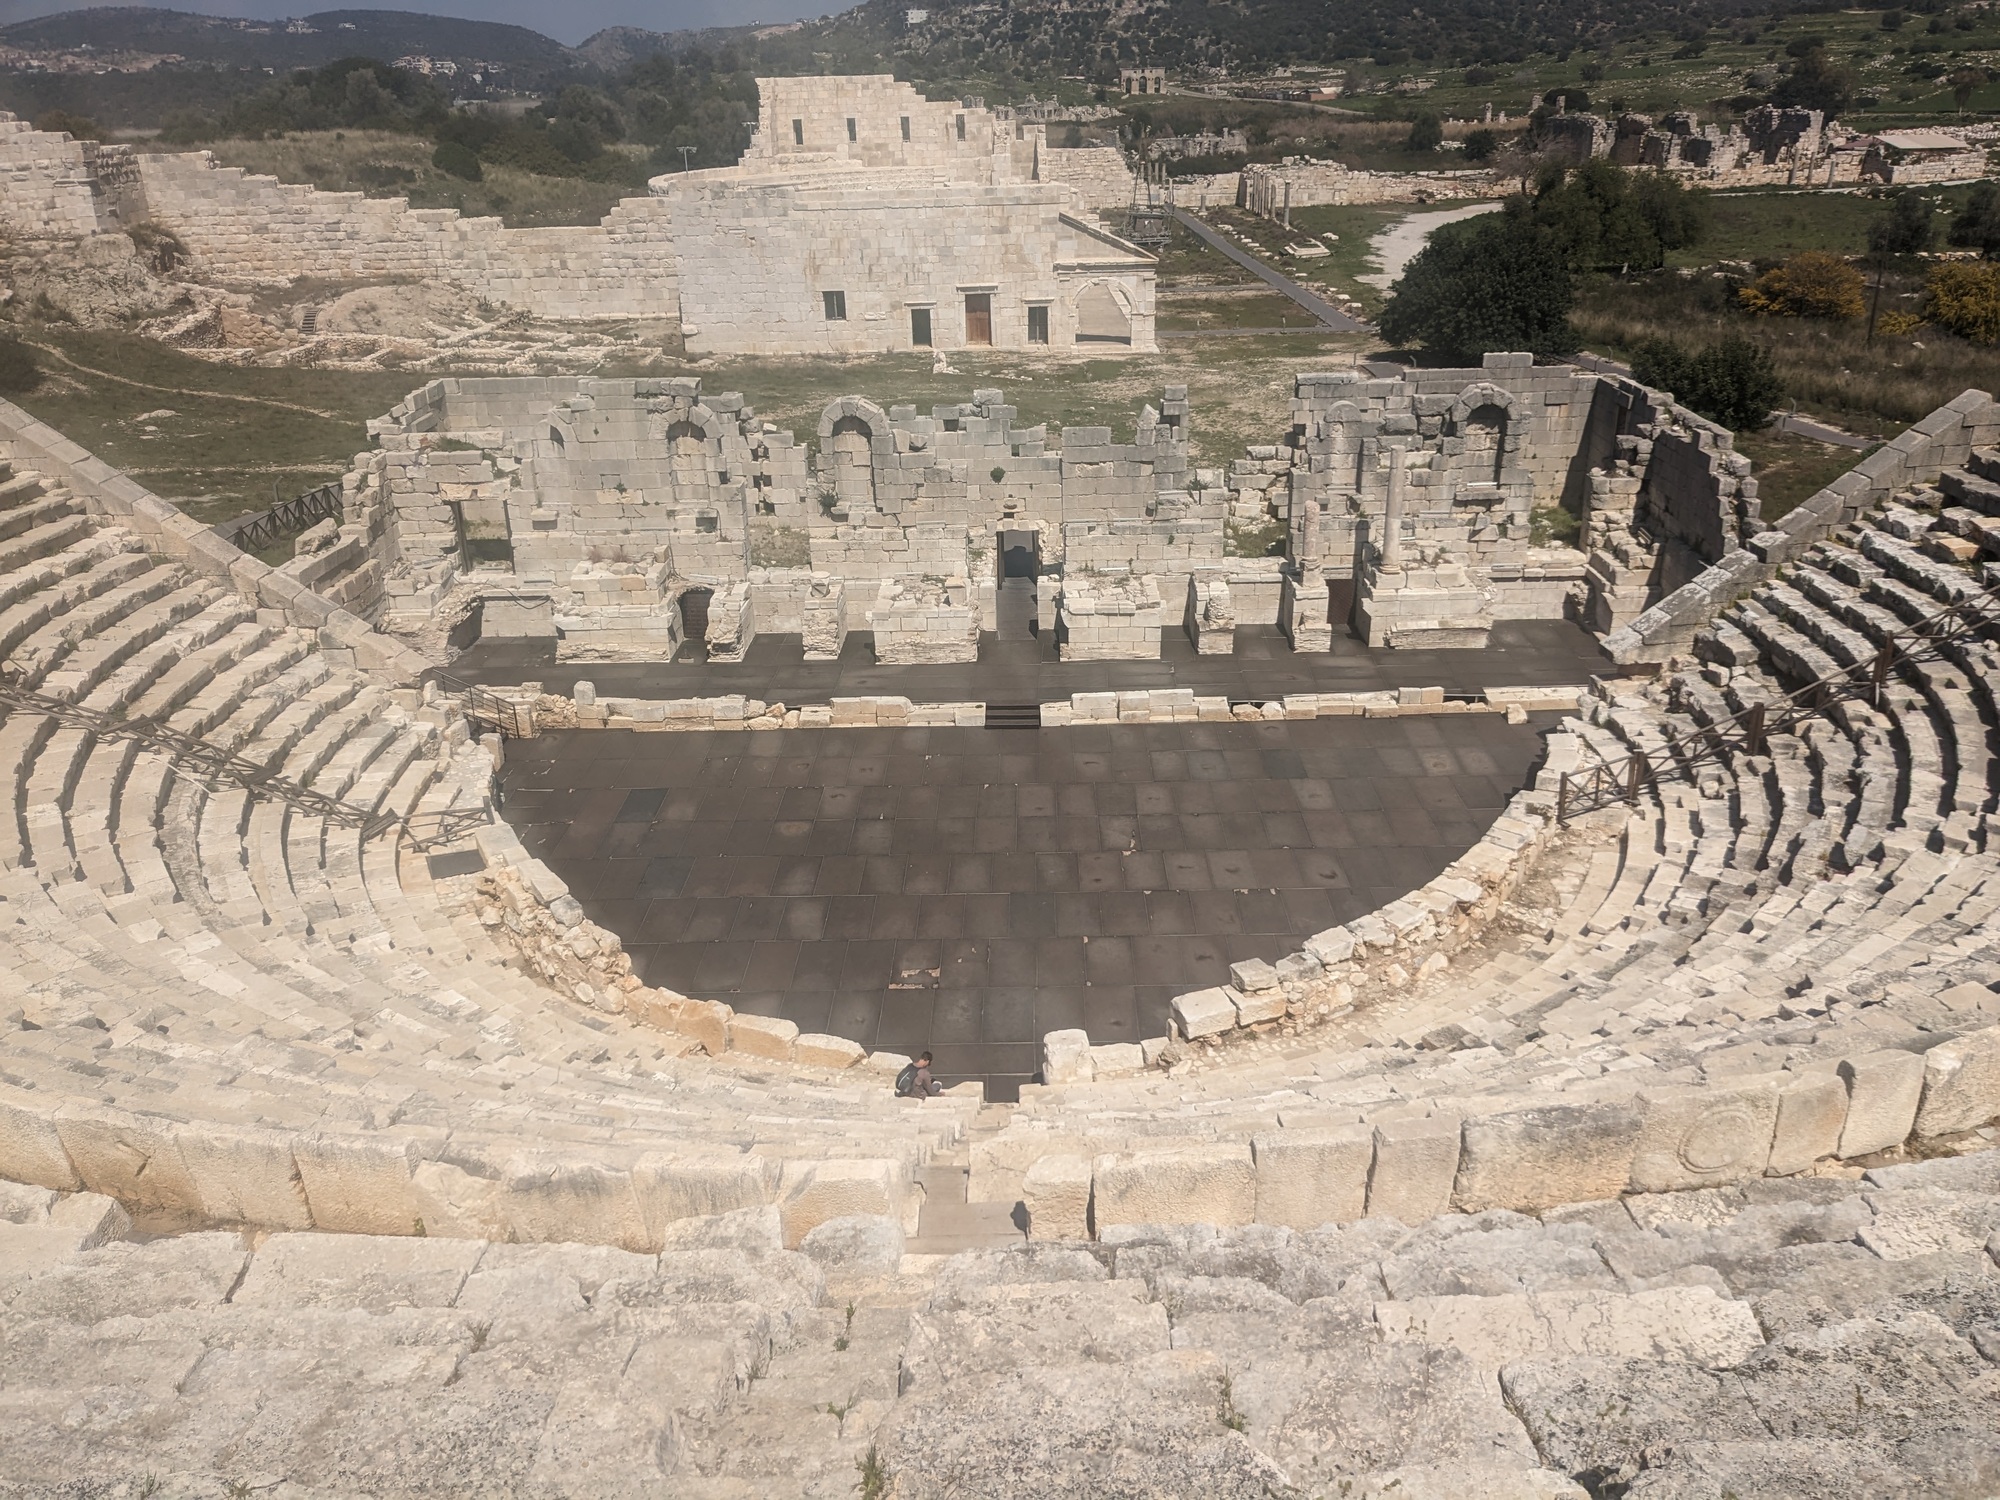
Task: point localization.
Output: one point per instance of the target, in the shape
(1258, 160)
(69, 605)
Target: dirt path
(178, 390)
(1395, 247)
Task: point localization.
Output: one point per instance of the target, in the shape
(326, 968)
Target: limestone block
(1117, 1059)
(1192, 1185)
(1310, 1177)
(1415, 1166)
(813, 1192)
(1676, 1324)
(1066, 1057)
(1056, 1194)
(1811, 1112)
(133, 1158)
(867, 1244)
(706, 1021)
(360, 1184)
(30, 1148)
(1202, 1013)
(763, 1036)
(1961, 1084)
(1253, 975)
(245, 1176)
(1883, 1089)
(347, 1271)
(1265, 1005)
(1703, 1136)
(817, 1050)
(1530, 1159)
(668, 1189)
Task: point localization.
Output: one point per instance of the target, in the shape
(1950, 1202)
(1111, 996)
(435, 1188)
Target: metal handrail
(1750, 730)
(189, 753)
(287, 518)
(509, 719)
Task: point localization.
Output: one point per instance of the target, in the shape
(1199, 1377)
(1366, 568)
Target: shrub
(1481, 144)
(19, 373)
(1732, 382)
(158, 246)
(1495, 283)
(457, 160)
(1812, 284)
(1977, 226)
(1964, 298)
(1426, 133)
(1908, 228)
(60, 121)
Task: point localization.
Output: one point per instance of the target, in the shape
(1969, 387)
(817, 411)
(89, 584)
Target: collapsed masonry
(863, 218)
(628, 517)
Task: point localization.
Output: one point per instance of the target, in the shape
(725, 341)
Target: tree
(1732, 382)
(1426, 133)
(457, 160)
(61, 121)
(1815, 82)
(1977, 226)
(1964, 298)
(1495, 283)
(1480, 145)
(1964, 83)
(1812, 284)
(1908, 228)
(1605, 216)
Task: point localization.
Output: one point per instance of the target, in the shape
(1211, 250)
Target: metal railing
(192, 756)
(510, 720)
(1749, 731)
(266, 528)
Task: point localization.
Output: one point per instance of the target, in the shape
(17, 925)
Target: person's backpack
(906, 1081)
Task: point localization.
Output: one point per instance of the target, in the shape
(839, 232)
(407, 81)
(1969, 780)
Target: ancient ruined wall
(1305, 183)
(758, 259)
(245, 228)
(1097, 174)
(872, 121)
(1479, 449)
(46, 186)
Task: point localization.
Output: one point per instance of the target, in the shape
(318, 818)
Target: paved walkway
(1312, 302)
(967, 890)
(1522, 653)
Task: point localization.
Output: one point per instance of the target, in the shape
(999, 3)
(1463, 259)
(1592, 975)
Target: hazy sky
(569, 22)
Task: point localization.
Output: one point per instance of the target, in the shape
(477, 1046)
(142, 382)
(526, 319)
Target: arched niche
(853, 435)
(1103, 314)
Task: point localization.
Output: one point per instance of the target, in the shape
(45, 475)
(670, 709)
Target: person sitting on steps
(915, 1081)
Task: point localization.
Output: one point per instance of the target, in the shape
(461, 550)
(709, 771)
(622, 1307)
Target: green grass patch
(1791, 469)
(1247, 309)
(1768, 225)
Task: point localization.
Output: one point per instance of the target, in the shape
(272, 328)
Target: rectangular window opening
(1038, 325)
(836, 306)
(906, 127)
(920, 327)
(798, 132)
(850, 129)
(961, 127)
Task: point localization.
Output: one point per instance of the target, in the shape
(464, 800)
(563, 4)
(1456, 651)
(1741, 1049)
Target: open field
(1792, 469)
(383, 164)
(1772, 224)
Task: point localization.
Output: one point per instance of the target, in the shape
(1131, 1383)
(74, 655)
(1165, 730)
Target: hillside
(318, 39)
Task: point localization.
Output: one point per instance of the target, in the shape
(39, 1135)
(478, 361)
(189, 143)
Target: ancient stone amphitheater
(1642, 1153)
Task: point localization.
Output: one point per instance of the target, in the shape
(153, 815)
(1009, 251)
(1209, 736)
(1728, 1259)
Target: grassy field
(213, 438)
(1253, 307)
(1770, 225)
(1791, 470)
(385, 165)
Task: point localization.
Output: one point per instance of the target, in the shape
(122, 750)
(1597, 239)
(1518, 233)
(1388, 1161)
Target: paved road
(1395, 247)
(1318, 306)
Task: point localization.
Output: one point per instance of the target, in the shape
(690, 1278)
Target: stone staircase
(224, 1009)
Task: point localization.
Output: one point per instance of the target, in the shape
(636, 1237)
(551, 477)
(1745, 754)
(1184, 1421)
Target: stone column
(1392, 520)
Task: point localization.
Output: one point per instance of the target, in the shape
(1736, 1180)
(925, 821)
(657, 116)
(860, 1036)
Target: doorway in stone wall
(1020, 565)
(694, 620)
(979, 317)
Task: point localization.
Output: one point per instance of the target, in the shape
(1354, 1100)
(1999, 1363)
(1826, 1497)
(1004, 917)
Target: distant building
(1143, 80)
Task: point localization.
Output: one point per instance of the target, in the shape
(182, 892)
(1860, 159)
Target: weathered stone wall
(1096, 174)
(1304, 183)
(47, 185)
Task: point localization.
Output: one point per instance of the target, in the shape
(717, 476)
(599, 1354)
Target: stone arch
(1490, 425)
(1103, 314)
(690, 436)
(854, 437)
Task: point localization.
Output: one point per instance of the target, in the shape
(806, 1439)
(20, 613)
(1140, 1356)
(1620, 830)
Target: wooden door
(979, 318)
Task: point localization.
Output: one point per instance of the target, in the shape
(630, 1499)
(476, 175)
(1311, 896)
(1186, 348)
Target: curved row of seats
(222, 1007)
(1754, 917)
